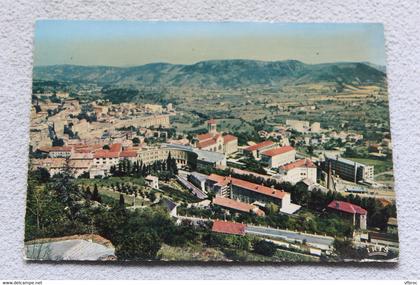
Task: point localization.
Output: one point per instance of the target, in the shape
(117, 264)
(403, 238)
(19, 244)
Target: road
(196, 191)
(289, 235)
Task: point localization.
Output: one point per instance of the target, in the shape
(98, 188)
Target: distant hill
(216, 74)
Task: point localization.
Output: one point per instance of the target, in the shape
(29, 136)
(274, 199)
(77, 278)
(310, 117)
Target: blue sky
(128, 43)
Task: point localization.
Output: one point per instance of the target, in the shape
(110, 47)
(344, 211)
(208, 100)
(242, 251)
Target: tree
(264, 247)
(88, 193)
(121, 202)
(136, 141)
(41, 175)
(95, 195)
(310, 150)
(57, 142)
(67, 191)
(142, 244)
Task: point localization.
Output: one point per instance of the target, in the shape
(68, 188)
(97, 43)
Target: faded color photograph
(199, 141)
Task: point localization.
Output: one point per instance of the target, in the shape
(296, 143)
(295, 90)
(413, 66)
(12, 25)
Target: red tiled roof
(278, 151)
(218, 179)
(259, 145)
(229, 138)
(116, 147)
(128, 153)
(259, 188)
(223, 181)
(211, 121)
(228, 228)
(304, 162)
(347, 207)
(60, 148)
(206, 143)
(237, 205)
(106, 154)
(203, 137)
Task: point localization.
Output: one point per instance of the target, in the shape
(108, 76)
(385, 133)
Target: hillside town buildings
(93, 139)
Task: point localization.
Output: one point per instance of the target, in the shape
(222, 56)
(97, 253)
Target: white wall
(17, 18)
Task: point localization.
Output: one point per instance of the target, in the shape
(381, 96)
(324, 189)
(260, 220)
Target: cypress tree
(121, 202)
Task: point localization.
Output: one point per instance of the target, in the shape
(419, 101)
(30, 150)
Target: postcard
(200, 141)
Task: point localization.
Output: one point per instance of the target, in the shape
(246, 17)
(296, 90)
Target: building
(152, 181)
(60, 151)
(181, 155)
(230, 144)
(303, 126)
(237, 206)
(103, 159)
(225, 227)
(198, 180)
(256, 149)
(249, 192)
(357, 214)
(299, 170)
(315, 127)
(153, 108)
(130, 155)
(278, 156)
(300, 126)
(80, 163)
(144, 121)
(170, 206)
(198, 158)
(102, 162)
(214, 141)
(347, 169)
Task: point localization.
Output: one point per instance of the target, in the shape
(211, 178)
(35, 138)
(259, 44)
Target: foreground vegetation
(58, 206)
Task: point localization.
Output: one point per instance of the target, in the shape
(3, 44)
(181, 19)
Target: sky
(130, 43)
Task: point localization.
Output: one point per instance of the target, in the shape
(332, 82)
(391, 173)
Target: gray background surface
(402, 22)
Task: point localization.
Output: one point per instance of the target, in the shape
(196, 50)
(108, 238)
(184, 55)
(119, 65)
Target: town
(298, 190)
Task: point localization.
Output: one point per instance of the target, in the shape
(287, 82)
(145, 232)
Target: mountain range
(216, 74)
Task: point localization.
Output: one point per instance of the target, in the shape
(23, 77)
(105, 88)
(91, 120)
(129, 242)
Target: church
(215, 141)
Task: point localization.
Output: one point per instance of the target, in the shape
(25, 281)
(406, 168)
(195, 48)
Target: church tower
(212, 126)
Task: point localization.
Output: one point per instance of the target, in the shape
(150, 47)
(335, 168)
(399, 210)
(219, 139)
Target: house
(225, 227)
(278, 156)
(299, 170)
(152, 181)
(256, 149)
(170, 206)
(237, 206)
(357, 214)
(214, 141)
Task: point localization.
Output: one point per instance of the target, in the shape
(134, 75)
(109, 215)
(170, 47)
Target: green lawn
(104, 188)
(190, 253)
